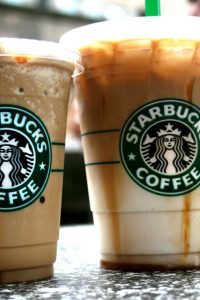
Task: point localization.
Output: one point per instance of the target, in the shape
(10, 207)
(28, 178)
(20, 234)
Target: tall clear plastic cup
(35, 78)
(139, 107)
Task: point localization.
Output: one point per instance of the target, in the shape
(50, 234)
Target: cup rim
(153, 27)
(41, 49)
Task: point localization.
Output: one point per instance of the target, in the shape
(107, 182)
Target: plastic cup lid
(185, 27)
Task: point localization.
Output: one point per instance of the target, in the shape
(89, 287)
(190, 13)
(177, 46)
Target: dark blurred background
(48, 20)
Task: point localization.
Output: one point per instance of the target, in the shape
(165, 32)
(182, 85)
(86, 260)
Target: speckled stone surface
(79, 276)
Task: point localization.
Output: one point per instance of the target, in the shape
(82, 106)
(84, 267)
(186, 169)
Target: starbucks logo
(16, 162)
(169, 147)
(159, 147)
(25, 157)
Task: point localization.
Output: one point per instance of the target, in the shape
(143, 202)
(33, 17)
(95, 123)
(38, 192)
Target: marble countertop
(79, 276)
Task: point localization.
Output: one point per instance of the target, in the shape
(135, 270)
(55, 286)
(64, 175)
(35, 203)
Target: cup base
(150, 262)
(31, 274)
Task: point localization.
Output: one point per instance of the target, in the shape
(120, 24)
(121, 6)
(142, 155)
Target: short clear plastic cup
(35, 79)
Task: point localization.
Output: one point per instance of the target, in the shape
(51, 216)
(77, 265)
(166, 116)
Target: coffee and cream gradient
(127, 65)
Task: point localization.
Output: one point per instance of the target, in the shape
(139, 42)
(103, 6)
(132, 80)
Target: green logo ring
(159, 146)
(25, 157)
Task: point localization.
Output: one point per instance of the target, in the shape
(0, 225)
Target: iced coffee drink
(34, 86)
(140, 120)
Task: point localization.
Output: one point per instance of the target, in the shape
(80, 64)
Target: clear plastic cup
(35, 79)
(139, 110)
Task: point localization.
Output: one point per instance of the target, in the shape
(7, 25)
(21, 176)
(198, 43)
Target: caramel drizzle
(186, 224)
(187, 198)
(111, 191)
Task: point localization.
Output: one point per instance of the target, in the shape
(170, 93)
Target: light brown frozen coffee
(34, 86)
(140, 120)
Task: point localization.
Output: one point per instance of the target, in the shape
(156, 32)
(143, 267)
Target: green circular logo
(25, 157)
(159, 147)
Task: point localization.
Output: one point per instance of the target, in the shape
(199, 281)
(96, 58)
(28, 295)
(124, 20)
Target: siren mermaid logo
(159, 147)
(16, 163)
(25, 157)
(166, 150)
